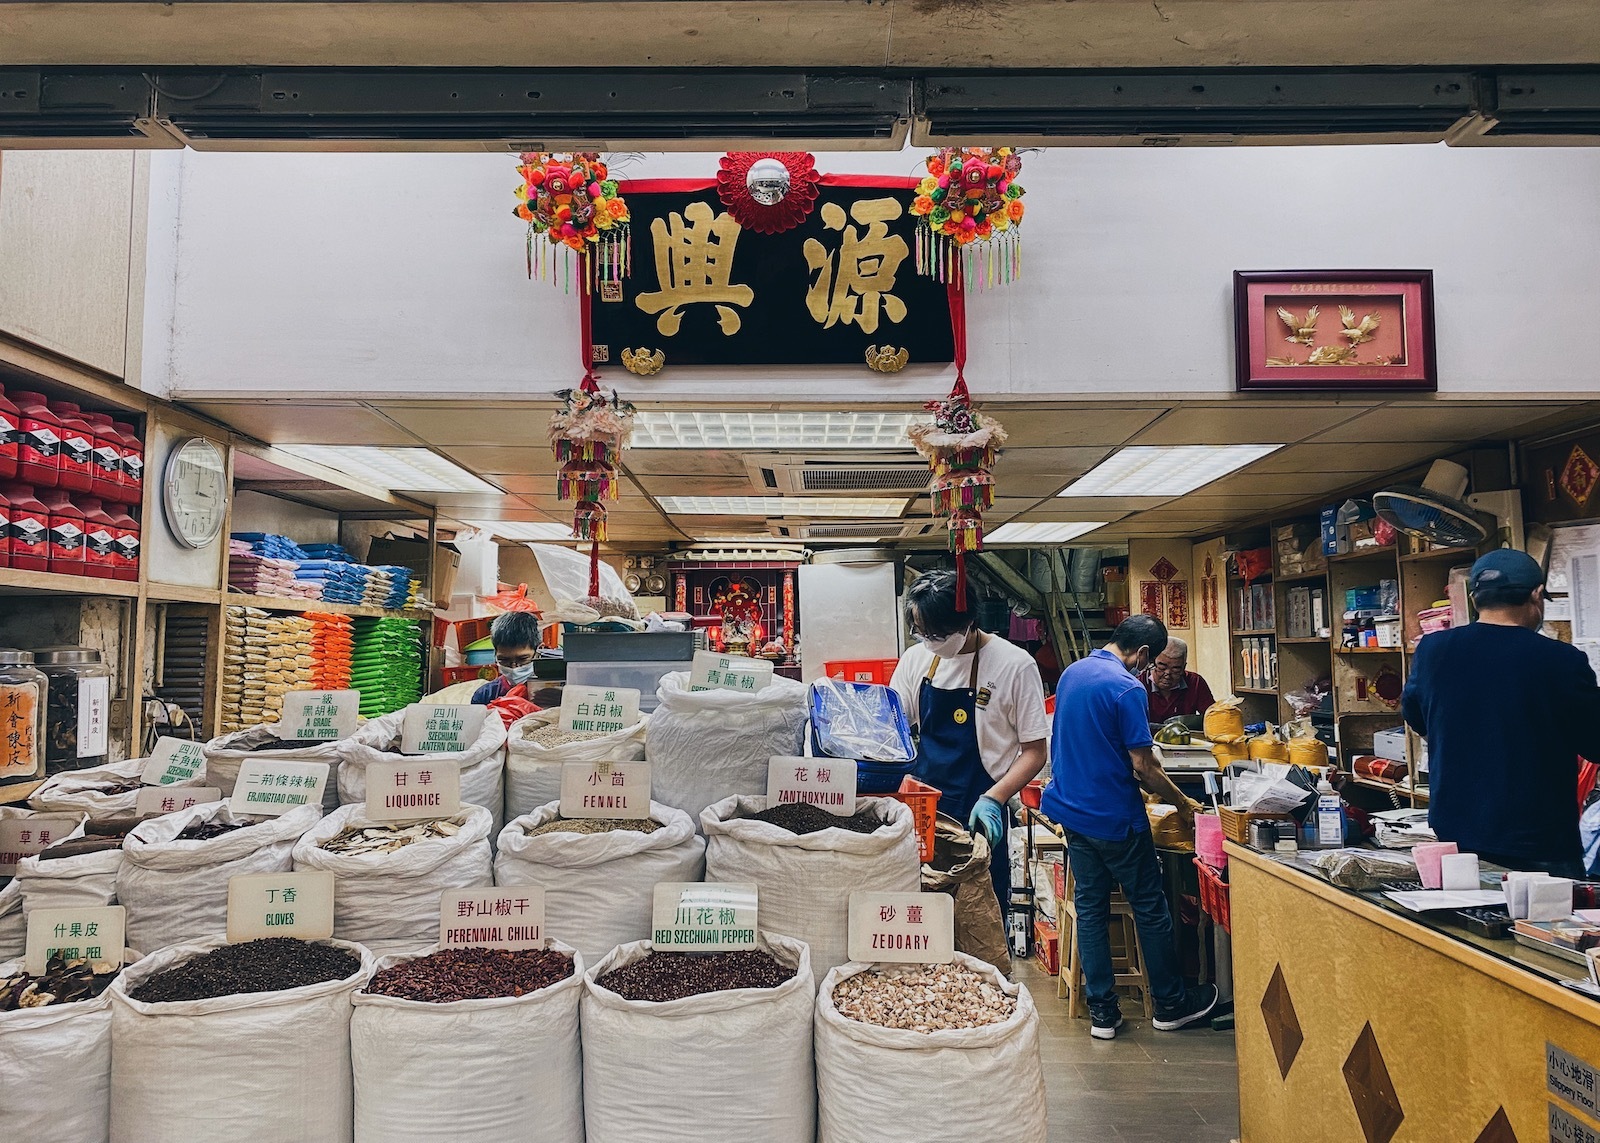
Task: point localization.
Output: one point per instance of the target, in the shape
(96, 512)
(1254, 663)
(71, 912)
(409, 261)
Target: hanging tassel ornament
(587, 437)
(569, 200)
(971, 209)
(961, 446)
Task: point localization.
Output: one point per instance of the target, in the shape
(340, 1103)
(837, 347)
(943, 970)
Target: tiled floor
(1143, 1087)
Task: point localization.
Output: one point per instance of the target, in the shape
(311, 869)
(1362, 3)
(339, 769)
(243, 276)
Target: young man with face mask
(978, 704)
(516, 646)
(1101, 756)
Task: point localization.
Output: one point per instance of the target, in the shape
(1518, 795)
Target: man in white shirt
(977, 702)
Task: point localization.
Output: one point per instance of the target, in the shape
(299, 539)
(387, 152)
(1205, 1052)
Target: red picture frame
(1334, 330)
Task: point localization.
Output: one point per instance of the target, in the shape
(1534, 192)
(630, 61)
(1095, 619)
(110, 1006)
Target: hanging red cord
(958, 337)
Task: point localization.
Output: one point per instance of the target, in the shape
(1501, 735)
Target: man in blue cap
(1506, 712)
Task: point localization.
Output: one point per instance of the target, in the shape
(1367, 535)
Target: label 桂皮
(22, 837)
(273, 788)
(152, 801)
(605, 790)
(173, 760)
(319, 716)
(598, 710)
(829, 783)
(902, 928)
(703, 917)
(502, 917)
(434, 728)
(96, 932)
(285, 904)
(413, 790)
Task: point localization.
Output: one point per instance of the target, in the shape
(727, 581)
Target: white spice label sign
(25, 836)
(902, 928)
(93, 931)
(280, 905)
(153, 800)
(431, 728)
(829, 783)
(94, 700)
(598, 710)
(605, 790)
(173, 760)
(704, 917)
(274, 788)
(711, 671)
(319, 716)
(504, 917)
(413, 791)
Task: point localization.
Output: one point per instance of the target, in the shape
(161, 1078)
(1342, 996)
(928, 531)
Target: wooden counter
(1359, 1025)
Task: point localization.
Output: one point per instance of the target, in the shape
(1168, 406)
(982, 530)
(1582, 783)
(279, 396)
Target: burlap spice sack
(960, 867)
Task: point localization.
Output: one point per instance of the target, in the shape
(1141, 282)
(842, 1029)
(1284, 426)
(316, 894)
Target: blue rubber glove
(988, 817)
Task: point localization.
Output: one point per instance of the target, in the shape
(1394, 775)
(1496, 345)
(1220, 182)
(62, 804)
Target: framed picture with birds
(1334, 330)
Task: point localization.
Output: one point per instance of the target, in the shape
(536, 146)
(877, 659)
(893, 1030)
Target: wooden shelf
(1269, 632)
(1295, 577)
(1364, 554)
(16, 582)
(1441, 554)
(1368, 651)
(1256, 691)
(274, 603)
(180, 593)
(1306, 639)
(1379, 784)
(20, 792)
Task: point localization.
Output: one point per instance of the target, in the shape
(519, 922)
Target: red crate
(1033, 794)
(1047, 946)
(924, 802)
(469, 631)
(1214, 896)
(878, 671)
(453, 675)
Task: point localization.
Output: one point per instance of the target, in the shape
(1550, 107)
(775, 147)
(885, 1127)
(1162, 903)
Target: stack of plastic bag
(264, 657)
(338, 582)
(379, 584)
(333, 552)
(402, 587)
(331, 645)
(271, 545)
(386, 664)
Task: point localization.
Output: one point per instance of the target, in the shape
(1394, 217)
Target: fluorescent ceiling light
(1150, 470)
(820, 430)
(397, 469)
(1040, 533)
(524, 532)
(873, 507)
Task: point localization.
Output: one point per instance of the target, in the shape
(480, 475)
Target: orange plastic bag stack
(330, 651)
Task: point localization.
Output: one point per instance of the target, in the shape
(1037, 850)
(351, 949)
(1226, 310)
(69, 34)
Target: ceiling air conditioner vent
(46, 109)
(1198, 108)
(806, 475)
(1531, 109)
(852, 532)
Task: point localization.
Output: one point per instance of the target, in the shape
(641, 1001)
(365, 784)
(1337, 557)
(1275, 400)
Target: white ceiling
(1331, 445)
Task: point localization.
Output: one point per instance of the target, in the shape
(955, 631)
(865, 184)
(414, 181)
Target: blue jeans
(1131, 863)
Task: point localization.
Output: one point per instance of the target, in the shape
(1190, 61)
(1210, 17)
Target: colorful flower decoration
(569, 199)
(971, 208)
(961, 446)
(762, 203)
(588, 436)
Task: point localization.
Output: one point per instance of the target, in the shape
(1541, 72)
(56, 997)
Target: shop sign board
(434, 728)
(25, 836)
(598, 710)
(706, 291)
(1567, 1128)
(173, 760)
(319, 716)
(1569, 1078)
(829, 783)
(280, 905)
(711, 672)
(698, 917)
(272, 788)
(154, 800)
(605, 790)
(503, 917)
(902, 928)
(413, 791)
(97, 932)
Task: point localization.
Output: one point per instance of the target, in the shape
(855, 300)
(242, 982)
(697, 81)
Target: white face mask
(947, 647)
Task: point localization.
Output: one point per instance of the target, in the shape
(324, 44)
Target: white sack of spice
(87, 880)
(599, 887)
(387, 876)
(109, 791)
(904, 1051)
(537, 748)
(13, 925)
(482, 765)
(225, 754)
(177, 890)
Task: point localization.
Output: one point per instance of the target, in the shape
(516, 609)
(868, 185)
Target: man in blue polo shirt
(1101, 756)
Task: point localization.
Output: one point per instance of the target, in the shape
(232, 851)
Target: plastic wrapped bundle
(269, 544)
(331, 646)
(386, 664)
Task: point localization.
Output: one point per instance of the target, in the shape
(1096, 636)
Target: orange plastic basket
(879, 671)
(924, 802)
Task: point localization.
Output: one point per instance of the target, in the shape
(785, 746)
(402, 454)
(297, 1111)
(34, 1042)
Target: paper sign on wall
(598, 710)
(413, 791)
(25, 836)
(273, 788)
(173, 760)
(94, 705)
(154, 800)
(826, 782)
(93, 931)
(605, 790)
(435, 728)
(704, 917)
(504, 917)
(902, 928)
(319, 716)
(712, 671)
(280, 905)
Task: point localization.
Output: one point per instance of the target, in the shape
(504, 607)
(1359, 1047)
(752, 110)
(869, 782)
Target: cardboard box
(413, 553)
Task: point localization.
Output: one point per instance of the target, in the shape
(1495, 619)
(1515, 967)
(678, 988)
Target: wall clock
(194, 492)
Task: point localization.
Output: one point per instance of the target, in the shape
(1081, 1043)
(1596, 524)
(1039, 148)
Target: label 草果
(280, 905)
(26, 836)
(703, 917)
(504, 917)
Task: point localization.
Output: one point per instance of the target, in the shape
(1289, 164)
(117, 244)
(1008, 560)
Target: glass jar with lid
(77, 707)
(22, 702)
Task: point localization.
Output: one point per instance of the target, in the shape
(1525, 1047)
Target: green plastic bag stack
(386, 663)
